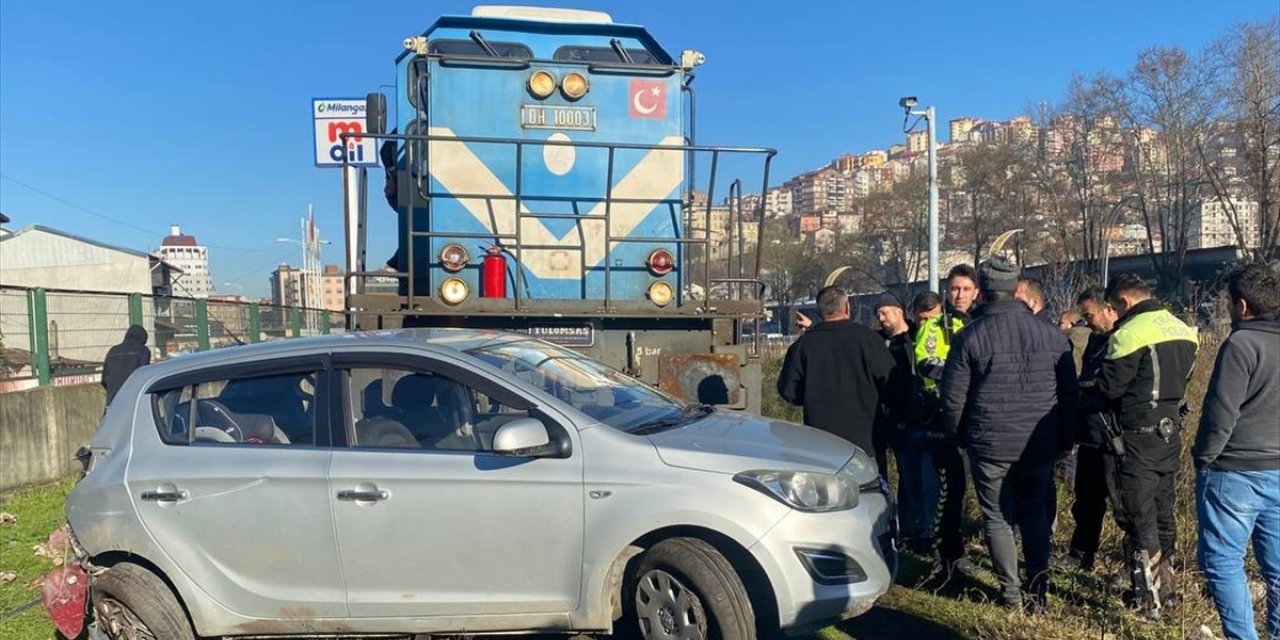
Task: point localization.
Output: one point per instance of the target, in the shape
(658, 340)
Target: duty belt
(1165, 428)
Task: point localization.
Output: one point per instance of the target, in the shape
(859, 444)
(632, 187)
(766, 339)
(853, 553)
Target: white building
(1210, 224)
(288, 287)
(861, 184)
(183, 252)
(777, 202)
(87, 287)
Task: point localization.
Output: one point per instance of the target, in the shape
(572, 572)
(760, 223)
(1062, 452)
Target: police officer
(932, 344)
(1144, 375)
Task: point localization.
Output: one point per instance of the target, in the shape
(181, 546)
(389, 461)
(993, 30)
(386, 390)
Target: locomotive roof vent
(542, 14)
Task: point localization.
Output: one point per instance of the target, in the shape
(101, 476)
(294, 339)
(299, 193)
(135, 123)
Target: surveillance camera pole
(928, 115)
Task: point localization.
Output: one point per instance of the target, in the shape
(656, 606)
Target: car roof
(441, 341)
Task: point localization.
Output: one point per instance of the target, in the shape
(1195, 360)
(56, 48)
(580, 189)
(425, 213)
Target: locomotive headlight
(454, 257)
(453, 291)
(574, 86)
(661, 293)
(542, 84)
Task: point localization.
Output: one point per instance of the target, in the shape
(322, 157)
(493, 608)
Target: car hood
(727, 442)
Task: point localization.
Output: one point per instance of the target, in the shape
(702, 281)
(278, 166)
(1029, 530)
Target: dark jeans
(948, 521)
(1090, 506)
(1142, 492)
(1015, 493)
(917, 484)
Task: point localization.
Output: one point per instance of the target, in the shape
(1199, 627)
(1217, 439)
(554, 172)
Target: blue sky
(154, 113)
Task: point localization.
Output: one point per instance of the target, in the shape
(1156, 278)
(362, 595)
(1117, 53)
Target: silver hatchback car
(456, 481)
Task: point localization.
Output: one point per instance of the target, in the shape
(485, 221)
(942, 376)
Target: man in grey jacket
(1237, 455)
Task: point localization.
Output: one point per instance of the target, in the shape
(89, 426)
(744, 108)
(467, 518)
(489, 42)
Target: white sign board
(334, 117)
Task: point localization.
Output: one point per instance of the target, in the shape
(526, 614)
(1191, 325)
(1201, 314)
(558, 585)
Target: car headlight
(805, 491)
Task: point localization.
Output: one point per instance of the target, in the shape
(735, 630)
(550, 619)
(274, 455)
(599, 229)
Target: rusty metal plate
(709, 378)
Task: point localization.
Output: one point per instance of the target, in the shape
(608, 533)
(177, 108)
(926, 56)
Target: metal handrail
(421, 182)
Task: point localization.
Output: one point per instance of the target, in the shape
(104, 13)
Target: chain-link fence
(54, 336)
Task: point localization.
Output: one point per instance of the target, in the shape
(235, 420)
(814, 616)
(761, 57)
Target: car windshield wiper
(686, 415)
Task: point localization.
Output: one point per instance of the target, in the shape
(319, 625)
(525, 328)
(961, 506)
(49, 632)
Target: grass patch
(39, 512)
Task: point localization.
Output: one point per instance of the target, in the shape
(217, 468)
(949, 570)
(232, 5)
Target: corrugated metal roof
(88, 241)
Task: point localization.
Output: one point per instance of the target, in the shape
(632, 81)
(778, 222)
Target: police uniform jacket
(1149, 358)
(932, 344)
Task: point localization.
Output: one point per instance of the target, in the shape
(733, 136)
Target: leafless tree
(1170, 92)
(1246, 64)
(993, 184)
(894, 239)
(1085, 132)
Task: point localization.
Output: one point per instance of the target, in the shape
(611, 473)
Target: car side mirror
(524, 437)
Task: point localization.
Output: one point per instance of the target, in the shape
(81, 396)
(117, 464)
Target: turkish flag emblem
(648, 99)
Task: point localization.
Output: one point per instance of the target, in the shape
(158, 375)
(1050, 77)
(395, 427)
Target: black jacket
(836, 371)
(1090, 429)
(1240, 424)
(1009, 387)
(899, 397)
(1149, 358)
(123, 358)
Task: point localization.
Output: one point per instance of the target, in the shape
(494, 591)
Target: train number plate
(539, 116)
(573, 335)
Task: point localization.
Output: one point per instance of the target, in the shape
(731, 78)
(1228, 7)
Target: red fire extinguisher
(493, 274)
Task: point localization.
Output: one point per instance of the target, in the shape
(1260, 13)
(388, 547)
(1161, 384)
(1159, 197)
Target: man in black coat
(1093, 485)
(123, 358)
(836, 371)
(1008, 381)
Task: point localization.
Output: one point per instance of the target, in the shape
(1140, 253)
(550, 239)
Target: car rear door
(429, 523)
(245, 514)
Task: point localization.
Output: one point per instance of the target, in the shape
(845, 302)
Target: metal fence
(58, 336)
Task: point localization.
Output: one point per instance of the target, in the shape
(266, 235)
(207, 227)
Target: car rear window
(273, 409)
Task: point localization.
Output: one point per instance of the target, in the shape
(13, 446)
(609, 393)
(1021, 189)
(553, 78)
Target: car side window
(400, 408)
(173, 415)
(253, 410)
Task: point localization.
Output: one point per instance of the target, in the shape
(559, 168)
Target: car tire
(684, 588)
(128, 594)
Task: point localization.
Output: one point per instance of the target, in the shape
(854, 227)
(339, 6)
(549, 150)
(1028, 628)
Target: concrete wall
(40, 430)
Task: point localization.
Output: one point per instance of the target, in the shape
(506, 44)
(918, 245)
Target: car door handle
(165, 496)
(363, 495)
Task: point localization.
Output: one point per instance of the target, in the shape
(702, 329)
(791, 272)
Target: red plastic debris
(65, 594)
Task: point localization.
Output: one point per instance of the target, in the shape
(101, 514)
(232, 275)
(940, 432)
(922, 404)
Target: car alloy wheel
(119, 621)
(667, 609)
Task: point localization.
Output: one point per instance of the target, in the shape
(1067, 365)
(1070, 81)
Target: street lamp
(1112, 216)
(908, 103)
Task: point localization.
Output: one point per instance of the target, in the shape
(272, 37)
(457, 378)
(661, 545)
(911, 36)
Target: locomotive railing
(416, 158)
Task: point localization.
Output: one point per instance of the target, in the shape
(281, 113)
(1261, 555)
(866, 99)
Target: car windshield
(593, 388)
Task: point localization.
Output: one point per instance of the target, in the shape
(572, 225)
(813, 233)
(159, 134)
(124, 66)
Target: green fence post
(38, 321)
(255, 327)
(135, 309)
(202, 324)
(324, 322)
(295, 321)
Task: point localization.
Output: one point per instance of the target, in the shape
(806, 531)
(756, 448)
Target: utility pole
(908, 103)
